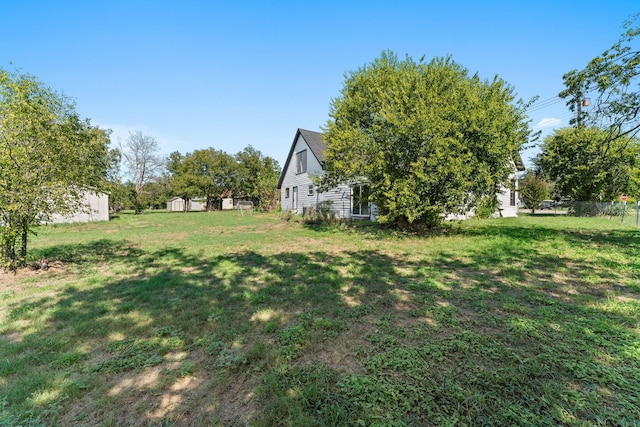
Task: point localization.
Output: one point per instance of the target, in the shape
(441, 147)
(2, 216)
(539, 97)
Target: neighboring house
(305, 162)
(176, 204)
(95, 208)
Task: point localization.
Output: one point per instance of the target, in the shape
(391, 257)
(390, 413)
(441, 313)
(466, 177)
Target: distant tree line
(208, 174)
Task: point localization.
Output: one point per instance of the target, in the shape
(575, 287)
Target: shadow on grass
(326, 338)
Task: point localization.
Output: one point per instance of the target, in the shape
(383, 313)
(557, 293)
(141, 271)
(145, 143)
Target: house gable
(315, 144)
(303, 164)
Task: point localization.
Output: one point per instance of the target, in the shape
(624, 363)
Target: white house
(305, 162)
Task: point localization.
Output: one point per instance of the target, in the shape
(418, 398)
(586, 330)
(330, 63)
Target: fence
(610, 209)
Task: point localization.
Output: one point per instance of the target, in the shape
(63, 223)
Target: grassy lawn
(213, 319)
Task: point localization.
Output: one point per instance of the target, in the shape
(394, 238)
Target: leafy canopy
(213, 173)
(587, 165)
(533, 190)
(613, 79)
(258, 178)
(49, 158)
(428, 138)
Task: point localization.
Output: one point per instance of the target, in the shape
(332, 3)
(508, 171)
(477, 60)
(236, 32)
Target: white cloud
(548, 122)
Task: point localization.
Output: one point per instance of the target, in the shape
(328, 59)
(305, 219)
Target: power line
(556, 99)
(544, 104)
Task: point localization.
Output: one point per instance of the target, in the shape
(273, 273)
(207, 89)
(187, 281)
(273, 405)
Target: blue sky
(198, 74)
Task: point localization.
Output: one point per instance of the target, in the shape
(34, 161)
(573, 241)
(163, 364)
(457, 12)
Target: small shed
(176, 204)
(227, 203)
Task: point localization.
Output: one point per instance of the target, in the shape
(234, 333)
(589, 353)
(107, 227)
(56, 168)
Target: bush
(324, 214)
(486, 207)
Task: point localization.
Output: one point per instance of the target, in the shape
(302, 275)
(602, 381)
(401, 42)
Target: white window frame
(357, 192)
(301, 162)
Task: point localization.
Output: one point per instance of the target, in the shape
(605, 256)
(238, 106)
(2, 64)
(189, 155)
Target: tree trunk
(23, 246)
(8, 250)
(8, 259)
(137, 205)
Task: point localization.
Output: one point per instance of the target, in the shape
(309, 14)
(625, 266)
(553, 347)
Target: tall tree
(587, 165)
(533, 190)
(204, 173)
(49, 158)
(427, 137)
(142, 158)
(183, 179)
(614, 78)
(258, 178)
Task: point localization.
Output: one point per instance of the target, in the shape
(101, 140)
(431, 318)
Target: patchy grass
(215, 319)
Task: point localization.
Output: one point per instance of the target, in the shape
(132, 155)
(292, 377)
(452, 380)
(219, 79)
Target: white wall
(177, 205)
(95, 207)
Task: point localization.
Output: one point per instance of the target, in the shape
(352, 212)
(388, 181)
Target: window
(512, 195)
(311, 190)
(361, 203)
(286, 193)
(301, 162)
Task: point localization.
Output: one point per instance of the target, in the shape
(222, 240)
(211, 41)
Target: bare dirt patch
(9, 279)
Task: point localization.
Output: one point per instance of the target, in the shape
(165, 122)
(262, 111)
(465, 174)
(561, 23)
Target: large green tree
(587, 165)
(210, 173)
(258, 178)
(533, 190)
(427, 137)
(204, 173)
(184, 179)
(612, 80)
(49, 158)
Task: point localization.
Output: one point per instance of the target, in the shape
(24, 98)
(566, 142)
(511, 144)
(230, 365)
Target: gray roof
(315, 143)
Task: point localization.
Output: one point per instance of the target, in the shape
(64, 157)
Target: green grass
(214, 319)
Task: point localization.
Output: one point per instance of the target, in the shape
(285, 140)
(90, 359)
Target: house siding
(227, 203)
(506, 209)
(340, 200)
(302, 181)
